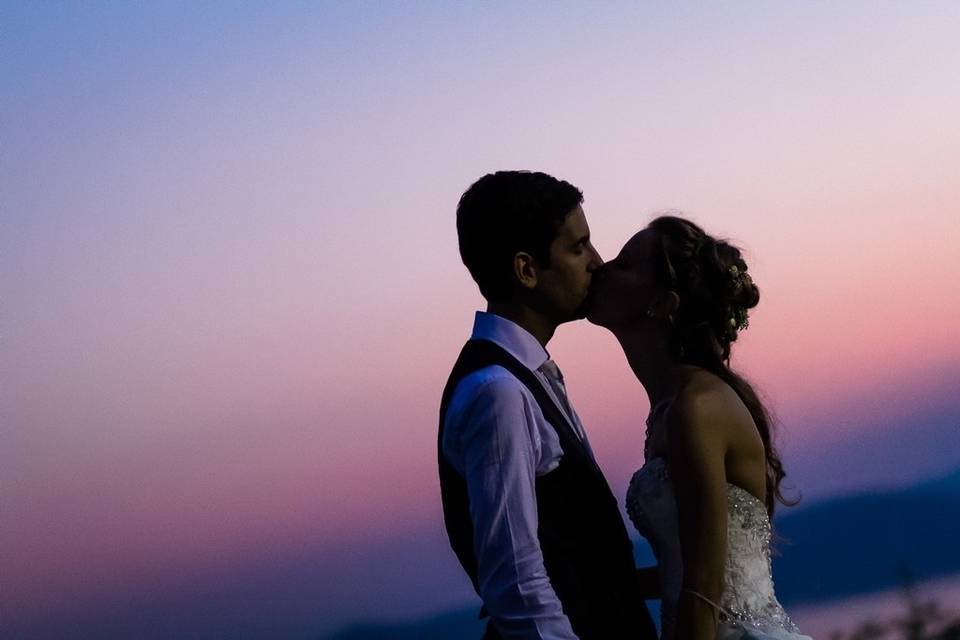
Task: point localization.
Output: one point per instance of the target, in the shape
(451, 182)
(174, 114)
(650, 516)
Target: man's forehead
(575, 224)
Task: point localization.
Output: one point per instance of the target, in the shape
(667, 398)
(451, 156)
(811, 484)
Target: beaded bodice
(748, 595)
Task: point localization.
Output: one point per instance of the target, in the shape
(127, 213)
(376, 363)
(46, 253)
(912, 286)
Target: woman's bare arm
(696, 448)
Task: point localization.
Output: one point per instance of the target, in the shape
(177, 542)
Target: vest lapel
(568, 436)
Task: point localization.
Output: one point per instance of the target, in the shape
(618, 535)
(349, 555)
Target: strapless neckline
(735, 488)
(748, 596)
(658, 465)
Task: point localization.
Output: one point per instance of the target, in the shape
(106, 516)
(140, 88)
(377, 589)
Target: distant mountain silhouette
(949, 482)
(863, 543)
(448, 626)
(832, 549)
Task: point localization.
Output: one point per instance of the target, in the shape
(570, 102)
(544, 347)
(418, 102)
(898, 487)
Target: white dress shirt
(496, 437)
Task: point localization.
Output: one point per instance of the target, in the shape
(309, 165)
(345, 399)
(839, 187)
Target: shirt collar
(517, 341)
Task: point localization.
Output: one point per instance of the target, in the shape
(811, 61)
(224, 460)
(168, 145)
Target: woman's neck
(653, 365)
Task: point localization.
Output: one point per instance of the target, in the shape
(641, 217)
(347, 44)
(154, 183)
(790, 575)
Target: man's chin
(584, 310)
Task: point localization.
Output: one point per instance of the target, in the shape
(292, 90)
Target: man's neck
(535, 323)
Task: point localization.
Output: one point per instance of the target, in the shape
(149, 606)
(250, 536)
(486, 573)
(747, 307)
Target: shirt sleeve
(501, 449)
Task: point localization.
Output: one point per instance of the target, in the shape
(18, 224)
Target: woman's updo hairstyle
(711, 279)
(716, 293)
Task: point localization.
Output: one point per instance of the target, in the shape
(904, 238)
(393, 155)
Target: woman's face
(624, 288)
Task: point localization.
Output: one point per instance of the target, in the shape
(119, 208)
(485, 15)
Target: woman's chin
(595, 316)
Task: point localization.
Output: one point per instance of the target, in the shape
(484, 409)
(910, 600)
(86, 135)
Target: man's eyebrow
(583, 239)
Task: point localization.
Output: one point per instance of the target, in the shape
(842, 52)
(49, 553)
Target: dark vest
(586, 551)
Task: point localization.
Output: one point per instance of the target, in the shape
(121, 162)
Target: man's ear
(526, 270)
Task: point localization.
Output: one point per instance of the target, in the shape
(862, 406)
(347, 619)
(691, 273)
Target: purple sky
(232, 293)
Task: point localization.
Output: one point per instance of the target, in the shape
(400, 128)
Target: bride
(676, 299)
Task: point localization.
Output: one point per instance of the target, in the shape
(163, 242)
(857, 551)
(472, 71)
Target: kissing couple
(526, 507)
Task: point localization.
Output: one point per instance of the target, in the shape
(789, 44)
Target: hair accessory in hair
(739, 279)
(739, 319)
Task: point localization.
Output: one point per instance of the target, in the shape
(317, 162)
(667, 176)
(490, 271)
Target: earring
(649, 313)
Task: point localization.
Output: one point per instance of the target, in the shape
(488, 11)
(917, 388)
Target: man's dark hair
(506, 212)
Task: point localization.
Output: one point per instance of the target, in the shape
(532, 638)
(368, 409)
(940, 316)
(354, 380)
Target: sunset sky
(231, 292)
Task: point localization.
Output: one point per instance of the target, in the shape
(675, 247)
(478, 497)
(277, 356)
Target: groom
(527, 510)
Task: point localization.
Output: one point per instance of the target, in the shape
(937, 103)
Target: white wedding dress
(748, 608)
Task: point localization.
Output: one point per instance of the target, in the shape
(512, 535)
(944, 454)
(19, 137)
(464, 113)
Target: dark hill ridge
(836, 548)
(462, 624)
(863, 543)
(949, 482)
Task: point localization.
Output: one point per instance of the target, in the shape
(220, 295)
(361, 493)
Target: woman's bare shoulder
(708, 404)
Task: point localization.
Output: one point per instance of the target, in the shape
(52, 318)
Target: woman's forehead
(640, 246)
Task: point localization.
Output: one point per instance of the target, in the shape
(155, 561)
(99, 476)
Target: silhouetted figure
(527, 510)
(676, 299)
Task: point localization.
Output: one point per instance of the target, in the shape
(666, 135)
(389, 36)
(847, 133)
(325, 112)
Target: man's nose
(595, 260)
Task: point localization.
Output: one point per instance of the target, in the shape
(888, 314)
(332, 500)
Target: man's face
(563, 290)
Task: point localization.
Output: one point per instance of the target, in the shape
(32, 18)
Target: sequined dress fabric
(749, 606)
